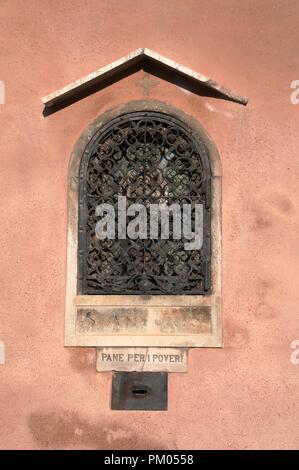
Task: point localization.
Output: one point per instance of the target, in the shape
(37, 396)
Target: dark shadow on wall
(62, 429)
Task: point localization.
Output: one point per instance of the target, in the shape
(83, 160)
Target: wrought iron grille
(150, 158)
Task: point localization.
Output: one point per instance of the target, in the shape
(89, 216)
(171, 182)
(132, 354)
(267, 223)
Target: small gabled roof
(140, 59)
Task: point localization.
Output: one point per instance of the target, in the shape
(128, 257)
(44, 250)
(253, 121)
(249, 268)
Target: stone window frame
(143, 320)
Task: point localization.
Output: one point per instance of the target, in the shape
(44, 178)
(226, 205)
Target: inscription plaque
(147, 320)
(142, 359)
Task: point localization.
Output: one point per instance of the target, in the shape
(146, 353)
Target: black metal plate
(139, 391)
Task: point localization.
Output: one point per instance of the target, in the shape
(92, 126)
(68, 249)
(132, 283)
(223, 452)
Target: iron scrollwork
(150, 158)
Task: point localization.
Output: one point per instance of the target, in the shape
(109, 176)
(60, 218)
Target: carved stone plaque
(144, 319)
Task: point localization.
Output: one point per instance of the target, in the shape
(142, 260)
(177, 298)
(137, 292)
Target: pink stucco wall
(243, 396)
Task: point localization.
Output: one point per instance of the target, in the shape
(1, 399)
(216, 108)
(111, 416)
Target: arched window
(144, 208)
(144, 231)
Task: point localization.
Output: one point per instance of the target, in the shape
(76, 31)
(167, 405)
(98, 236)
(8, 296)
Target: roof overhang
(140, 59)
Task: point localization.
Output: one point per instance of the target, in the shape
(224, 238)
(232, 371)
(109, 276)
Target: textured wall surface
(242, 396)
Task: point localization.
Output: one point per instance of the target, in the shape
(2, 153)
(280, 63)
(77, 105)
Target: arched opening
(131, 290)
